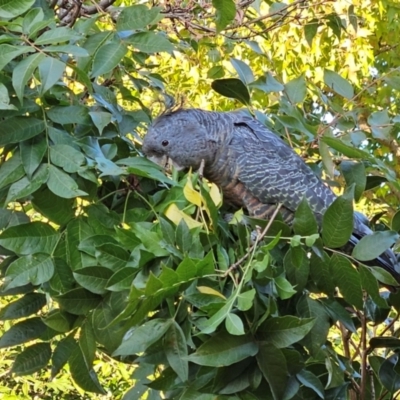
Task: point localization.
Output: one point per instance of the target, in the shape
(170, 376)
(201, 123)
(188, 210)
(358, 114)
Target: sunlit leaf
(373, 245)
(226, 10)
(176, 216)
(338, 84)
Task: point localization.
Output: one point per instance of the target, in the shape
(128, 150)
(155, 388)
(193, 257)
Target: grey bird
(253, 167)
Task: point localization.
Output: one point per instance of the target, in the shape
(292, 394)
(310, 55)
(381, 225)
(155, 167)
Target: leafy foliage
(104, 257)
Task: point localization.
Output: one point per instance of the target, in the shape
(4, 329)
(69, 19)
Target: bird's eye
(165, 143)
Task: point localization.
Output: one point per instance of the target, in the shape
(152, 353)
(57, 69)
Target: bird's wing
(272, 171)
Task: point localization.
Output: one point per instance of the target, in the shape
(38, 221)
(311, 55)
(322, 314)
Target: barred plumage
(254, 168)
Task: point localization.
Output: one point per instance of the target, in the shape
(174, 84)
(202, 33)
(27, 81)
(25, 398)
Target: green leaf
(62, 353)
(68, 49)
(183, 237)
(267, 84)
(53, 207)
(388, 376)
(186, 270)
(310, 308)
(167, 231)
(100, 119)
(394, 224)
(308, 379)
(9, 52)
(175, 348)
(93, 279)
(85, 377)
(150, 240)
(59, 321)
(370, 284)
(121, 280)
(143, 167)
(321, 273)
(304, 223)
(12, 8)
(34, 16)
(310, 30)
(225, 13)
(233, 88)
(272, 364)
(35, 268)
(384, 342)
(284, 288)
(246, 299)
(337, 222)
(32, 152)
(284, 331)
(108, 57)
(77, 231)
(112, 256)
(372, 246)
(66, 157)
(354, 173)
(69, 115)
(296, 90)
(90, 244)
(32, 359)
(25, 306)
(327, 159)
(297, 267)
(243, 70)
(18, 129)
(343, 148)
(26, 239)
(224, 349)
(87, 343)
(338, 313)
(233, 324)
(380, 124)
(50, 72)
(108, 168)
(383, 276)
(142, 337)
(57, 35)
(138, 17)
(206, 265)
(23, 72)
(78, 301)
(347, 279)
(62, 184)
(24, 187)
(150, 42)
(23, 332)
(338, 84)
(11, 170)
(215, 72)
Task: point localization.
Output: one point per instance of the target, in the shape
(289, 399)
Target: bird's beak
(166, 162)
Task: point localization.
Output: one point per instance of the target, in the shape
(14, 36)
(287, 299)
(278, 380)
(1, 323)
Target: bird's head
(179, 138)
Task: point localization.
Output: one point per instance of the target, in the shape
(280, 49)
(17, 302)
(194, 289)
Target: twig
(353, 381)
(371, 378)
(345, 339)
(201, 169)
(392, 322)
(251, 248)
(364, 353)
